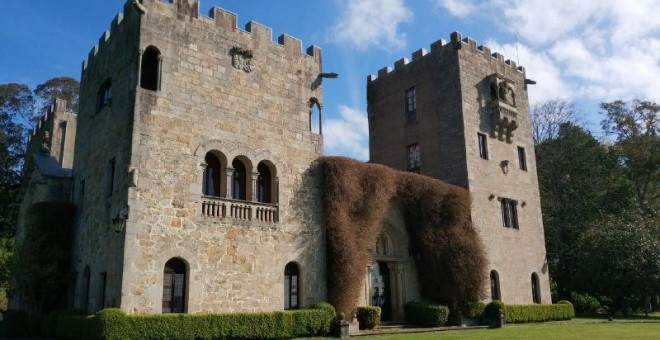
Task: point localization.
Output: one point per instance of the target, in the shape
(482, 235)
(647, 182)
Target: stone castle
(193, 139)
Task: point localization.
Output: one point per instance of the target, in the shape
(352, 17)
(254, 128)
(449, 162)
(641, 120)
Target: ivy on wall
(447, 249)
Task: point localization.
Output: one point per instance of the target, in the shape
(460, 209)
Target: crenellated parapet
(456, 42)
(217, 18)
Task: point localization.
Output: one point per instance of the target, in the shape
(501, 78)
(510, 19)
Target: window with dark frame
(509, 213)
(212, 175)
(411, 105)
(413, 158)
(150, 69)
(111, 177)
(482, 141)
(174, 286)
(291, 286)
(104, 95)
(522, 158)
(239, 179)
(536, 290)
(264, 183)
(495, 285)
(104, 279)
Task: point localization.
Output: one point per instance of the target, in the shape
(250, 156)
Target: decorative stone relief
(503, 106)
(241, 59)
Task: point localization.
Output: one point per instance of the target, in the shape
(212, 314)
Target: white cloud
(458, 8)
(366, 23)
(600, 50)
(347, 135)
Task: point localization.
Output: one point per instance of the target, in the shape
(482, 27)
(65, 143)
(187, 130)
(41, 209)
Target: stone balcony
(505, 117)
(227, 208)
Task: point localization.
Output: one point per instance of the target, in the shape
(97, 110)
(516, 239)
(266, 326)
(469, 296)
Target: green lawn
(581, 328)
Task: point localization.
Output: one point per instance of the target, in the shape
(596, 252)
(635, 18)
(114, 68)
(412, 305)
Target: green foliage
(493, 309)
(584, 303)
(538, 313)
(473, 310)
(368, 316)
(65, 88)
(113, 323)
(356, 198)
(41, 269)
(15, 323)
(426, 315)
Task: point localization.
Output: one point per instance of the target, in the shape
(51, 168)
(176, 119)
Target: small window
(413, 158)
(104, 279)
(509, 213)
(62, 142)
(86, 282)
(174, 286)
(111, 177)
(291, 286)
(150, 75)
(411, 105)
(212, 176)
(264, 183)
(522, 158)
(482, 140)
(536, 289)
(239, 180)
(81, 199)
(105, 95)
(495, 286)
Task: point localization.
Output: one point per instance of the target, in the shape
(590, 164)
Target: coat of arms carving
(241, 59)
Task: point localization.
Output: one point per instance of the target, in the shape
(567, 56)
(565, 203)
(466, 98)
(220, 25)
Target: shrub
(113, 323)
(492, 309)
(538, 313)
(584, 303)
(426, 315)
(473, 310)
(368, 316)
(14, 323)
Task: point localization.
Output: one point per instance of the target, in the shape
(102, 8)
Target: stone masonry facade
(194, 173)
(460, 91)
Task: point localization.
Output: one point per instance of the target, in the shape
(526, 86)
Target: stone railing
(239, 210)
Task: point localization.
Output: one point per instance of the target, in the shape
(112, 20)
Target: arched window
(86, 281)
(495, 286)
(291, 286)
(536, 289)
(211, 185)
(264, 183)
(239, 180)
(104, 96)
(150, 76)
(315, 120)
(174, 286)
(382, 245)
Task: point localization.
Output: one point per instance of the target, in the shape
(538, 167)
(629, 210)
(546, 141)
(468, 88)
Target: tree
(547, 117)
(17, 102)
(619, 257)
(63, 88)
(636, 126)
(580, 182)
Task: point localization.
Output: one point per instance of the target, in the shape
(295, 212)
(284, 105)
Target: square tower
(460, 114)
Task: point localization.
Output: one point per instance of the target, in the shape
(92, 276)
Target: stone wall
(453, 105)
(209, 101)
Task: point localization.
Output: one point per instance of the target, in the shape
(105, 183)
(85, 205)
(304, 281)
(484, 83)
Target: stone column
(230, 184)
(160, 71)
(254, 197)
(275, 191)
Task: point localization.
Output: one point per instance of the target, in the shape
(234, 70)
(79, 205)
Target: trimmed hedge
(426, 315)
(15, 323)
(538, 313)
(473, 310)
(368, 316)
(113, 323)
(492, 309)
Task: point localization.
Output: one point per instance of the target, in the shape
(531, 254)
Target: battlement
(58, 106)
(456, 42)
(217, 18)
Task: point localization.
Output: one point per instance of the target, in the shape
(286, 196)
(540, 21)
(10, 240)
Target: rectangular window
(509, 213)
(82, 195)
(62, 142)
(411, 105)
(482, 139)
(104, 95)
(413, 158)
(104, 278)
(522, 158)
(111, 177)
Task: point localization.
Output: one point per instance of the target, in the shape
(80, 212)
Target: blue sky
(588, 50)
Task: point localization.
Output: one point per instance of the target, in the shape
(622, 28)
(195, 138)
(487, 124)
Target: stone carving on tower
(503, 106)
(241, 59)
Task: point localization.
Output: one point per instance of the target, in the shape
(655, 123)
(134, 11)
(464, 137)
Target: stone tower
(192, 166)
(461, 114)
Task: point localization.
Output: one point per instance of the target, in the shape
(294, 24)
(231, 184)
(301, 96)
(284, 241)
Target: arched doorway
(174, 286)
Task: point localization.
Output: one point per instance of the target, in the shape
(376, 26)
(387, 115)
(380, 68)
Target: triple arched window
(239, 181)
